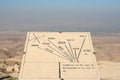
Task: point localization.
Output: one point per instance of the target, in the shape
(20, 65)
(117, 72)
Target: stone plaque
(59, 56)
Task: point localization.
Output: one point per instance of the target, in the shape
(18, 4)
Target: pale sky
(60, 15)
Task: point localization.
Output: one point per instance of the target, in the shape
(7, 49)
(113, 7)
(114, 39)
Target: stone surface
(59, 56)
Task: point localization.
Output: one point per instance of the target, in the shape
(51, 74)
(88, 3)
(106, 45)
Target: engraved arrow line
(51, 52)
(71, 50)
(81, 49)
(68, 51)
(58, 48)
(59, 53)
(68, 55)
(75, 55)
(65, 53)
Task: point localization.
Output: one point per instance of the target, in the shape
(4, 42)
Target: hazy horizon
(60, 15)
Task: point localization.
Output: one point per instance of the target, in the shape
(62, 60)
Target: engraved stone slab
(59, 56)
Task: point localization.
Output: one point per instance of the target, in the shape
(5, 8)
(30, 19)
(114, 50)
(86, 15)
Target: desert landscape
(107, 50)
(100, 17)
